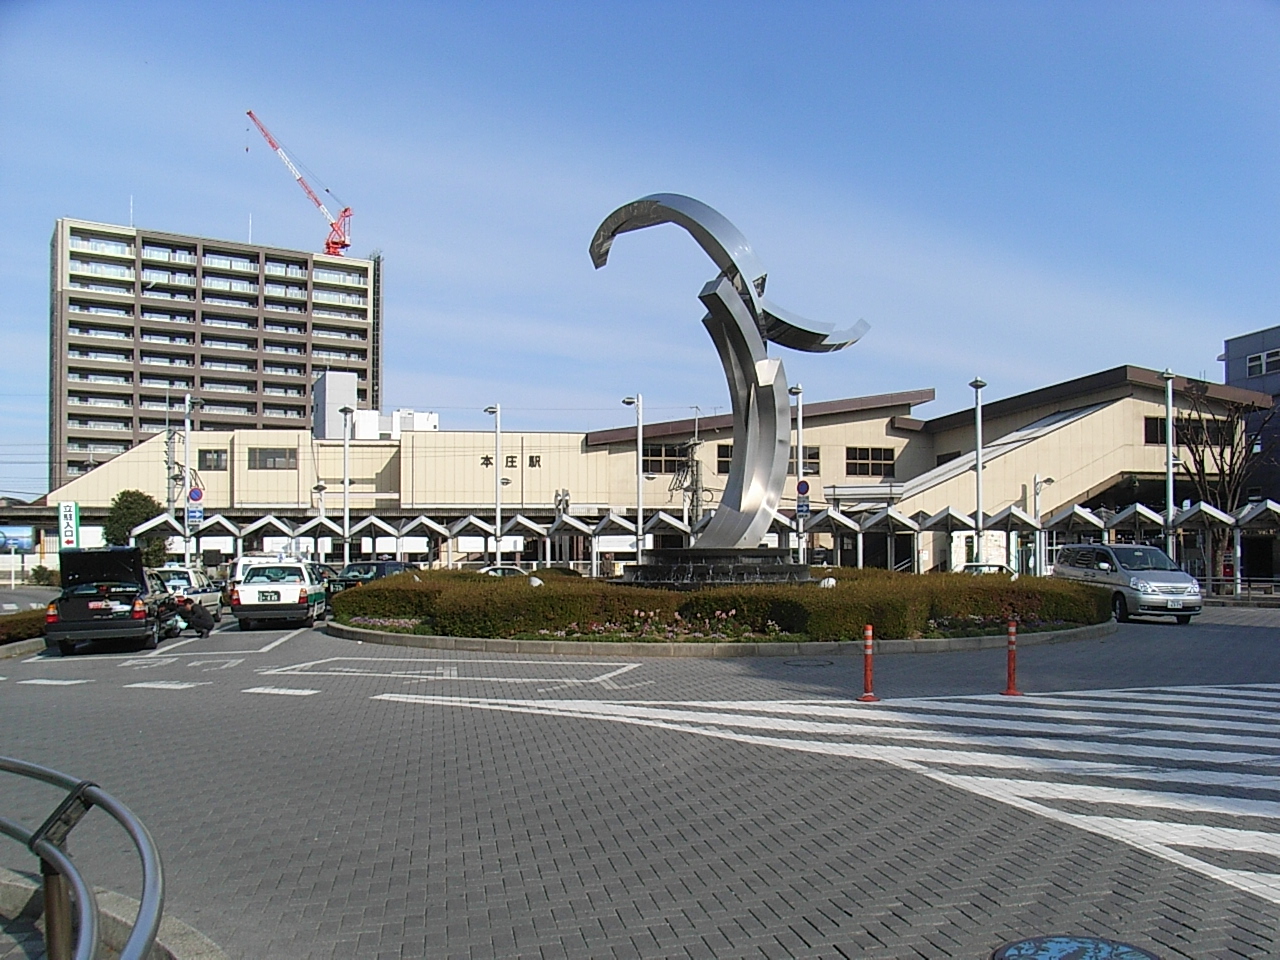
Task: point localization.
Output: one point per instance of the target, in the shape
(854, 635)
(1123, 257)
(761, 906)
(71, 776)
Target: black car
(354, 574)
(108, 595)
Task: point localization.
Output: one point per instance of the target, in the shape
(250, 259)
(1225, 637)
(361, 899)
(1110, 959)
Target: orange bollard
(1011, 672)
(868, 639)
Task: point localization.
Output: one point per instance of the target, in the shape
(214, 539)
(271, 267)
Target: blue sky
(1026, 191)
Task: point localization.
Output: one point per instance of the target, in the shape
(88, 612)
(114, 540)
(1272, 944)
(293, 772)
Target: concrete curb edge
(20, 896)
(624, 649)
(20, 648)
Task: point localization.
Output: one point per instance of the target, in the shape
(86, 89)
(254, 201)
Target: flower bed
(455, 604)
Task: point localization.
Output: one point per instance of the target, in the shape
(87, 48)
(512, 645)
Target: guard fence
(77, 936)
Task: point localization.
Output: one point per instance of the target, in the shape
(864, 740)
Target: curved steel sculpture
(740, 320)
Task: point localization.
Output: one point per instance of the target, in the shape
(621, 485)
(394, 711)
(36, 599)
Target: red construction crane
(340, 228)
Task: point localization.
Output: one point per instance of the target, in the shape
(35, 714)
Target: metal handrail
(47, 841)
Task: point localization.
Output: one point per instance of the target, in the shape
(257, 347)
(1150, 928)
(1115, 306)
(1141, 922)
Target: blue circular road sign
(802, 487)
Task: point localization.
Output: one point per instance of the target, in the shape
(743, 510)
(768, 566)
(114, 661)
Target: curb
(21, 898)
(829, 648)
(20, 648)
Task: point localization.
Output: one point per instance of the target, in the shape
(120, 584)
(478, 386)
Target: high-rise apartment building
(139, 318)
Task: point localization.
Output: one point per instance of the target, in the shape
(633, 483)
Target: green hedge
(450, 603)
(21, 626)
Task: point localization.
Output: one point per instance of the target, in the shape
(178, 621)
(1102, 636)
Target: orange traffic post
(1011, 678)
(868, 641)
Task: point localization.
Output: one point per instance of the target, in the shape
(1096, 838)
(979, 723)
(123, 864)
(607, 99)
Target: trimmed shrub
(21, 626)
(463, 604)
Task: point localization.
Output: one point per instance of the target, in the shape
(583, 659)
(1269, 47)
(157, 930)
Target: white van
(1142, 580)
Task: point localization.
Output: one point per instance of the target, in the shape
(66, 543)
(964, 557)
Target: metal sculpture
(740, 320)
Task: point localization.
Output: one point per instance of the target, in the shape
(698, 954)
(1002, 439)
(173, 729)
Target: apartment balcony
(231, 263)
(159, 360)
(109, 248)
(167, 255)
(211, 343)
(120, 403)
(115, 271)
(100, 356)
(100, 333)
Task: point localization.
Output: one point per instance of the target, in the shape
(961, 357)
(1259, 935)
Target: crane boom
(339, 228)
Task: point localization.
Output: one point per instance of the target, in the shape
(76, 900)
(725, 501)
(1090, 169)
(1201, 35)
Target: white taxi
(277, 591)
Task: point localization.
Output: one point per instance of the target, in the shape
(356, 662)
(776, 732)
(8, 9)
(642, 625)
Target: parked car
(365, 571)
(278, 591)
(985, 569)
(1142, 580)
(188, 582)
(502, 570)
(108, 595)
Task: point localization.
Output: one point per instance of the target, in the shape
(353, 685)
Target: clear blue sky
(1026, 191)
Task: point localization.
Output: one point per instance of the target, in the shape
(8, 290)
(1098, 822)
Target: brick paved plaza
(314, 797)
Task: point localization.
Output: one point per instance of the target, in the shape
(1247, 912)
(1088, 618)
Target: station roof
(1106, 385)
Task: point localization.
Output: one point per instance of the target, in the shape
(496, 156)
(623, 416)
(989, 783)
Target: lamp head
(1167, 374)
(506, 481)
(491, 410)
(319, 488)
(1047, 480)
(977, 383)
(629, 401)
(796, 391)
(346, 411)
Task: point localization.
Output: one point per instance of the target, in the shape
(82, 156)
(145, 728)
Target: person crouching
(197, 617)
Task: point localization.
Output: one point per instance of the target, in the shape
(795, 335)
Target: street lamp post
(188, 406)
(346, 483)
(638, 402)
(977, 383)
(798, 392)
(1168, 462)
(496, 412)
(1038, 483)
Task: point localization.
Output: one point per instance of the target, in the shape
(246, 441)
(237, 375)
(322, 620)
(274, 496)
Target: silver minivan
(1142, 580)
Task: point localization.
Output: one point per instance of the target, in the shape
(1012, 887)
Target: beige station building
(888, 488)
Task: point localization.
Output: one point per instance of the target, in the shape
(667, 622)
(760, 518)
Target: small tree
(129, 509)
(1224, 442)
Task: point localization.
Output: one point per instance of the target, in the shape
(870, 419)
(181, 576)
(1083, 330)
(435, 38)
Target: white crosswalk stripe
(1189, 774)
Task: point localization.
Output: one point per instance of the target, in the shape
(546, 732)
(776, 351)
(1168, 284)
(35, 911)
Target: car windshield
(175, 578)
(274, 575)
(360, 571)
(1143, 558)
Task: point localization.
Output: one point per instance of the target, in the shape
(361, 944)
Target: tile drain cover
(1070, 948)
(807, 663)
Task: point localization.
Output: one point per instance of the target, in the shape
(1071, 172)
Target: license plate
(1175, 604)
(265, 595)
(99, 604)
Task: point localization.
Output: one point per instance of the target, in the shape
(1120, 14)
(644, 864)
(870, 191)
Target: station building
(888, 488)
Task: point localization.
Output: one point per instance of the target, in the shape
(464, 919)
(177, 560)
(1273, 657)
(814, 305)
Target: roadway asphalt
(313, 797)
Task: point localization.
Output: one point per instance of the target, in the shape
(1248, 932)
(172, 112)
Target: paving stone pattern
(337, 825)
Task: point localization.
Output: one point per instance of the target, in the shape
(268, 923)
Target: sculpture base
(693, 569)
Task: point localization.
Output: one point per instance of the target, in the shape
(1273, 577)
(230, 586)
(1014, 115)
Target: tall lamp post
(346, 483)
(977, 383)
(1038, 483)
(1168, 462)
(798, 392)
(638, 402)
(496, 412)
(188, 407)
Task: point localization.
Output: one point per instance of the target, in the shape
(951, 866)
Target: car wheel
(153, 638)
(1120, 608)
(246, 624)
(66, 647)
(309, 621)
(1184, 618)
(217, 614)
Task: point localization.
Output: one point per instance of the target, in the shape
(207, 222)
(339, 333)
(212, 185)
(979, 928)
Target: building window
(1260, 363)
(212, 460)
(868, 461)
(273, 458)
(812, 464)
(1208, 432)
(724, 457)
(663, 457)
